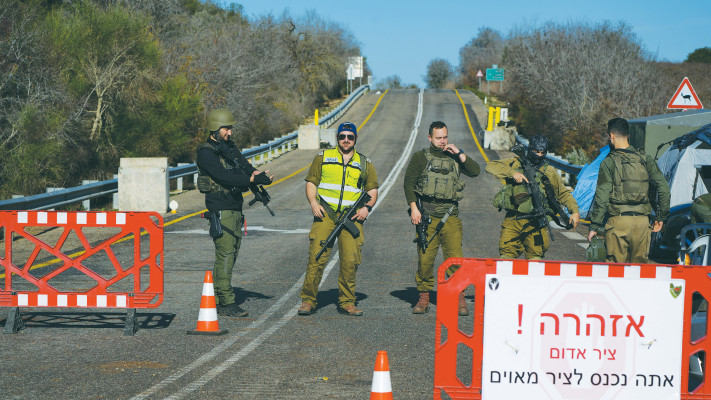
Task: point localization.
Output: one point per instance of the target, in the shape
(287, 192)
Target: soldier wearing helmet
(223, 174)
(519, 234)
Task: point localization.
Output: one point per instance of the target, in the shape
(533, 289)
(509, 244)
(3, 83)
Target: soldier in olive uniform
(519, 234)
(701, 209)
(629, 186)
(223, 174)
(336, 179)
(433, 176)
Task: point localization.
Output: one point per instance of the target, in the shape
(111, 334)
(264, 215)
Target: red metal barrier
(453, 365)
(75, 271)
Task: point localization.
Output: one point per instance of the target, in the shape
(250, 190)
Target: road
(273, 353)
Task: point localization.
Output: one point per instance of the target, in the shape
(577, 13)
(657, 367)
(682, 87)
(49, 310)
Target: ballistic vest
(205, 183)
(341, 184)
(515, 196)
(440, 179)
(630, 183)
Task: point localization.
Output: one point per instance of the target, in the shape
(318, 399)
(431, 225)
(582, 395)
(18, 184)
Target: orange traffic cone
(381, 388)
(207, 318)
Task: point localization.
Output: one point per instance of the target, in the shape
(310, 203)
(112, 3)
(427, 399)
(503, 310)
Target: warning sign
(582, 338)
(685, 97)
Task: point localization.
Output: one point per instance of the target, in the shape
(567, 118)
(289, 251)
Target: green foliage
(577, 157)
(702, 55)
(86, 82)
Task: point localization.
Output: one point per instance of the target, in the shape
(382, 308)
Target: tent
(687, 166)
(587, 182)
(654, 133)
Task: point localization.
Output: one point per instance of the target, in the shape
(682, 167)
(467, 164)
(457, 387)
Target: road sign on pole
(479, 75)
(685, 97)
(494, 74)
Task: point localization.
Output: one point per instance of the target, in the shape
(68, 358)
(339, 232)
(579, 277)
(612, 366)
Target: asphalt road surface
(274, 353)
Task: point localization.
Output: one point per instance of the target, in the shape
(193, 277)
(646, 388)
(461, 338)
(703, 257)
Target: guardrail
(256, 155)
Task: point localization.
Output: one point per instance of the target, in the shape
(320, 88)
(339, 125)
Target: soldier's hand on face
(657, 226)
(575, 220)
(415, 215)
(317, 209)
(451, 148)
(519, 177)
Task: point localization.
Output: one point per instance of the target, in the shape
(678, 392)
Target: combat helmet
(218, 118)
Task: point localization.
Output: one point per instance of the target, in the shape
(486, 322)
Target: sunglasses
(343, 136)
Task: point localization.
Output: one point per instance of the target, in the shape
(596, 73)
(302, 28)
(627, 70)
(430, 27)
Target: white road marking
(574, 236)
(225, 346)
(249, 229)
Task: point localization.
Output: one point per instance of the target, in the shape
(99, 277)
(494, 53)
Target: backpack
(630, 178)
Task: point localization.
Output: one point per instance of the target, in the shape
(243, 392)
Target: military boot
(423, 304)
(463, 311)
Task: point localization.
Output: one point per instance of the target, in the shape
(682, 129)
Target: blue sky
(401, 37)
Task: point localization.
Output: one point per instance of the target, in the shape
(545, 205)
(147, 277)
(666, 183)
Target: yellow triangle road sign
(685, 97)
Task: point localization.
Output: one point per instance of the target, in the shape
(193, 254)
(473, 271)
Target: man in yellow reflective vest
(336, 179)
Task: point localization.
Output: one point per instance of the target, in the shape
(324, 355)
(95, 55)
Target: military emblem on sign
(493, 284)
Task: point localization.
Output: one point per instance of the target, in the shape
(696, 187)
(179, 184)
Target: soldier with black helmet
(519, 232)
(223, 175)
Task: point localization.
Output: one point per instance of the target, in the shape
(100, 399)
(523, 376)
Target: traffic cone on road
(381, 388)
(207, 318)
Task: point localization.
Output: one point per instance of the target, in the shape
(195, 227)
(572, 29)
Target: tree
(439, 73)
(702, 55)
(103, 51)
(482, 51)
(391, 82)
(572, 78)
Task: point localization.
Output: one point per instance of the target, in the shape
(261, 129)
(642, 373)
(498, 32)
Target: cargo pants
(226, 251)
(521, 236)
(349, 249)
(450, 238)
(627, 239)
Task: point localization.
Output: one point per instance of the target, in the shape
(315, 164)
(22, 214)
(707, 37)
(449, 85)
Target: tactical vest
(515, 197)
(205, 183)
(630, 183)
(341, 185)
(440, 179)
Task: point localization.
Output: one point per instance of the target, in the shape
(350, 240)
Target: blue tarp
(587, 182)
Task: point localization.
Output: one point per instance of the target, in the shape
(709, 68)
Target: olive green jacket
(658, 189)
(505, 168)
(417, 166)
(701, 209)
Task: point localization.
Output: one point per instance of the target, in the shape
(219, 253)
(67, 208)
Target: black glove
(262, 179)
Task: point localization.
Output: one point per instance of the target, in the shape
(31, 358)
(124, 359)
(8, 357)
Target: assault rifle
(539, 216)
(260, 194)
(421, 228)
(345, 221)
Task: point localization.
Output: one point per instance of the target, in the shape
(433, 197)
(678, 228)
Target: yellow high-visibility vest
(339, 182)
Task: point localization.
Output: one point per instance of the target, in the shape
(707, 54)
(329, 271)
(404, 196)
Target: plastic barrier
(572, 330)
(75, 272)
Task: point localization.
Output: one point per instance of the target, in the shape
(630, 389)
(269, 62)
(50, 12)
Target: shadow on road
(104, 320)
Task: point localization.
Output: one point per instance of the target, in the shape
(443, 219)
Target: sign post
(494, 74)
(685, 97)
(479, 75)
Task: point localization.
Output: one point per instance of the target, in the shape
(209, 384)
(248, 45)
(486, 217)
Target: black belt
(633, 214)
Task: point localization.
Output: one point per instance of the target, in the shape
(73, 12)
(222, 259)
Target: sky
(401, 37)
